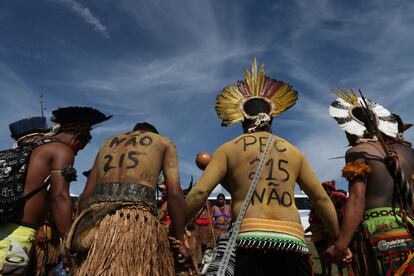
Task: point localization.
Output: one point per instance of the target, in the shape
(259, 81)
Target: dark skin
(374, 191)
(52, 156)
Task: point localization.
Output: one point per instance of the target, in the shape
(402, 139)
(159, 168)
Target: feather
(255, 85)
(341, 108)
(77, 114)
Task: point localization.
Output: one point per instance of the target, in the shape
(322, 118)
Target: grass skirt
(129, 241)
(47, 256)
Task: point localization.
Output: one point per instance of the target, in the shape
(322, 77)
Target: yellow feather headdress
(230, 102)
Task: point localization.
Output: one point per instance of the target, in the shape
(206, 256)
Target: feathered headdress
(77, 119)
(27, 126)
(345, 111)
(80, 115)
(231, 101)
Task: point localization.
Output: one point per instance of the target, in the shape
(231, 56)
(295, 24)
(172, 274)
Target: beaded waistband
(269, 225)
(381, 212)
(124, 192)
(271, 241)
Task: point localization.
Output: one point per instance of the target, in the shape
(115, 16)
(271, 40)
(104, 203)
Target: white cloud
(87, 15)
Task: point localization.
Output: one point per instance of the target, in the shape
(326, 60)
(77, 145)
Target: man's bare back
(51, 156)
(380, 184)
(234, 165)
(135, 157)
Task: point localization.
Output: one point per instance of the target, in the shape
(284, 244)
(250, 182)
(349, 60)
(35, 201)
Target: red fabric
(339, 195)
(202, 221)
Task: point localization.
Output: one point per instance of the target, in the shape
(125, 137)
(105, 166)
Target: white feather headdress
(342, 111)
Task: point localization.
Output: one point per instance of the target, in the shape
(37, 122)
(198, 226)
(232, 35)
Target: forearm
(194, 202)
(176, 209)
(62, 210)
(354, 209)
(327, 213)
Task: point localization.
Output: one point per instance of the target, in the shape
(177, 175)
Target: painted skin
(138, 157)
(233, 165)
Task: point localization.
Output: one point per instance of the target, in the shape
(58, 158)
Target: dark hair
(342, 191)
(221, 195)
(146, 127)
(255, 106)
(360, 113)
(81, 131)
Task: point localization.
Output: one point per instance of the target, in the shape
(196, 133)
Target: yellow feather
(229, 101)
(349, 97)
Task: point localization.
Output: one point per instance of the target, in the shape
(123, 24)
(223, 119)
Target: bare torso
(43, 159)
(380, 184)
(133, 157)
(274, 195)
(234, 164)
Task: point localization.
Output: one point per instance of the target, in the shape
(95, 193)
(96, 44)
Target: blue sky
(165, 61)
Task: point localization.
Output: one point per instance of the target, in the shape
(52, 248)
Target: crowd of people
(119, 228)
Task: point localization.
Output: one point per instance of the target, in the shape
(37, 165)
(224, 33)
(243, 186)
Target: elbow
(60, 199)
(323, 200)
(200, 195)
(357, 202)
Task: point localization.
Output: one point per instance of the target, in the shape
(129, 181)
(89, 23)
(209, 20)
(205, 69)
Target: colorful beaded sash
(392, 243)
(272, 234)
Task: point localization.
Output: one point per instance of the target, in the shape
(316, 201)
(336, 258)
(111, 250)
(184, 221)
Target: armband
(355, 170)
(68, 172)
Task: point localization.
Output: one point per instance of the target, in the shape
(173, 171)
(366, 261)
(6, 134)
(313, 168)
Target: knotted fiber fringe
(130, 241)
(46, 254)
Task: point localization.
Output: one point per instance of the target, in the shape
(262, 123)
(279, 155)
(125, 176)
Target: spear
(372, 124)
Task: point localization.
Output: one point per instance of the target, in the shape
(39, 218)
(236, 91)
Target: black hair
(221, 195)
(342, 191)
(145, 127)
(255, 106)
(81, 131)
(360, 113)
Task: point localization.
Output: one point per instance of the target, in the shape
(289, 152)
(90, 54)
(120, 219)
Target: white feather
(388, 128)
(338, 113)
(353, 127)
(381, 111)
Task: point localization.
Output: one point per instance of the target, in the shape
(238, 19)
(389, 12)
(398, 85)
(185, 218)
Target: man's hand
(182, 255)
(338, 255)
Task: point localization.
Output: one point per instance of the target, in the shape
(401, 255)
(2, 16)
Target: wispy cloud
(180, 54)
(87, 15)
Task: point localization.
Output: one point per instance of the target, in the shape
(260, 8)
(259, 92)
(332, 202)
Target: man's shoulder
(283, 145)
(362, 147)
(53, 148)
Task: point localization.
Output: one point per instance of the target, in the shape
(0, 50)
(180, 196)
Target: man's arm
(323, 205)
(61, 203)
(355, 205)
(175, 195)
(88, 190)
(354, 209)
(212, 176)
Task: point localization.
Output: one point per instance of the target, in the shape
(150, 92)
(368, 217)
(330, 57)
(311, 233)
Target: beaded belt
(272, 234)
(270, 225)
(381, 212)
(124, 192)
